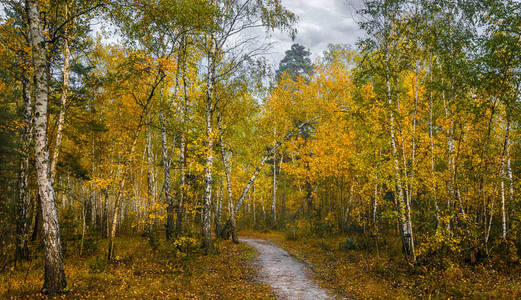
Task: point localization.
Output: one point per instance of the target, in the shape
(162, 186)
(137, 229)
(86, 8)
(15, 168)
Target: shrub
(90, 246)
(185, 245)
(291, 234)
(154, 242)
(507, 252)
(98, 265)
(349, 244)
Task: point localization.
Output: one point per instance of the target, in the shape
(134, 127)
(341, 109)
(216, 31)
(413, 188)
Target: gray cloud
(321, 22)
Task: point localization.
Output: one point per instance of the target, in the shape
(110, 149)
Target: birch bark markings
(504, 155)
(406, 234)
(166, 178)
(180, 204)
(218, 210)
(167, 165)
(151, 178)
(431, 138)
(274, 193)
(510, 181)
(63, 99)
(227, 170)
(210, 96)
(24, 197)
(182, 145)
(54, 277)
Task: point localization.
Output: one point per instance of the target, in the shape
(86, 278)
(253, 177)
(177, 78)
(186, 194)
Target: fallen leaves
(145, 274)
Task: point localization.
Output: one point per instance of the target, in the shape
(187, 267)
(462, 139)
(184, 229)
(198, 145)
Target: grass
(360, 274)
(140, 273)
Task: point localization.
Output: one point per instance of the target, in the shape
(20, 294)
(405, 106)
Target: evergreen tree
(296, 62)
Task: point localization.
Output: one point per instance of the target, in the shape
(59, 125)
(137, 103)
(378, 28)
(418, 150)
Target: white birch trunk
(254, 212)
(63, 100)
(450, 149)
(166, 178)
(24, 197)
(54, 278)
(182, 148)
(151, 178)
(274, 193)
(375, 202)
(510, 181)
(505, 153)
(218, 210)
(406, 235)
(265, 158)
(207, 199)
(431, 137)
(227, 170)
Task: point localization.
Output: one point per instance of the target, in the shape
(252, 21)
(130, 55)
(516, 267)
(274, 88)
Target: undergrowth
(173, 270)
(347, 265)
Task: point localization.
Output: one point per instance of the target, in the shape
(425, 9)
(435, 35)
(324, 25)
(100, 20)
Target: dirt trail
(287, 276)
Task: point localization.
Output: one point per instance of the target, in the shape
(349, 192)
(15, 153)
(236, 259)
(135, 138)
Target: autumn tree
(54, 273)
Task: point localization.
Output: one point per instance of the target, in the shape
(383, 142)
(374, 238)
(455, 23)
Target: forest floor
(140, 273)
(361, 274)
(285, 274)
(236, 272)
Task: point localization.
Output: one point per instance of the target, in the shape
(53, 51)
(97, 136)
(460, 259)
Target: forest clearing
(198, 149)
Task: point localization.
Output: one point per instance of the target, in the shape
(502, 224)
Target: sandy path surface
(287, 276)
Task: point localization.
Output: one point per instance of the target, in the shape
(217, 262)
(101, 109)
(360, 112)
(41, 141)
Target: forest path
(287, 276)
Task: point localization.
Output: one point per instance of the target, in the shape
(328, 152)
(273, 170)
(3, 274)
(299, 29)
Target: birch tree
(383, 37)
(227, 44)
(54, 278)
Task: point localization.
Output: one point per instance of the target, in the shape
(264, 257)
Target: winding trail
(287, 276)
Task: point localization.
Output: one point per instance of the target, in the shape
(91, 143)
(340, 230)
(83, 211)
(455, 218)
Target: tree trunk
(413, 156)
(54, 278)
(504, 154)
(274, 193)
(151, 178)
(227, 170)
(309, 199)
(484, 174)
(83, 222)
(115, 217)
(105, 218)
(207, 200)
(253, 200)
(63, 100)
(250, 183)
(406, 235)
(117, 202)
(431, 137)
(375, 203)
(218, 210)
(510, 181)
(283, 203)
(93, 191)
(182, 148)
(180, 204)
(24, 197)
(166, 178)
(451, 165)
(263, 161)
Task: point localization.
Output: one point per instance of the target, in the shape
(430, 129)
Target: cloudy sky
(320, 23)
